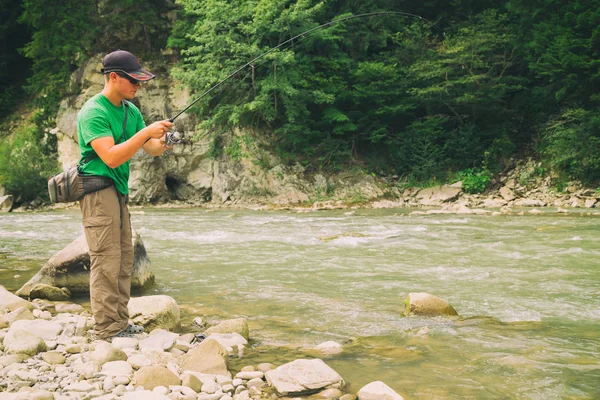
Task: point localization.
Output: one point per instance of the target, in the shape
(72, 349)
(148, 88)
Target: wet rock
(70, 268)
(229, 341)
(209, 357)
(378, 391)
(43, 291)
(330, 347)
(302, 377)
(238, 325)
(153, 376)
(427, 304)
(154, 312)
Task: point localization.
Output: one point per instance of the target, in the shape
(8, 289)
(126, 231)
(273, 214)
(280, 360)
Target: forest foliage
(453, 90)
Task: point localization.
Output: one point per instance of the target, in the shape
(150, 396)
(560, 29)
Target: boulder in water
(70, 269)
(427, 304)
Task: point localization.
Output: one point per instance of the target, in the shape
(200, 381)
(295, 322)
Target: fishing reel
(172, 138)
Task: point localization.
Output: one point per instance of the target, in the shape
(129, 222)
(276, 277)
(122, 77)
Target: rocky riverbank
(48, 352)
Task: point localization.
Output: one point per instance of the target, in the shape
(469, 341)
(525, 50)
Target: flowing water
(527, 289)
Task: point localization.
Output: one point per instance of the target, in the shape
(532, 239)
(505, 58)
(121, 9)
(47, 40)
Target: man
(110, 132)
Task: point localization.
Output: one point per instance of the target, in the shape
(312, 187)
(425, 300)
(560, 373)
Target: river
(527, 289)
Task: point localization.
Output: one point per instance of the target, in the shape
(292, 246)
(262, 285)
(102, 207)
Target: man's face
(126, 85)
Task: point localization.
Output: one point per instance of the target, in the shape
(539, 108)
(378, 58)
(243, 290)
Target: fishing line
(302, 36)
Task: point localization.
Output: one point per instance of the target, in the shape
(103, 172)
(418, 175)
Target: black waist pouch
(69, 185)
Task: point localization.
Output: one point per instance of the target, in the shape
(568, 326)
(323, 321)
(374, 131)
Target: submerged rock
(70, 269)
(427, 304)
(238, 325)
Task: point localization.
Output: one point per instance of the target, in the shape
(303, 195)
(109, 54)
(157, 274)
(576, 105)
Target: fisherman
(110, 131)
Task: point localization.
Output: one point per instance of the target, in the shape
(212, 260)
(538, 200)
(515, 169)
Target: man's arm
(114, 155)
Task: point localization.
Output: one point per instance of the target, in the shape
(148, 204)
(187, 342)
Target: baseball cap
(124, 61)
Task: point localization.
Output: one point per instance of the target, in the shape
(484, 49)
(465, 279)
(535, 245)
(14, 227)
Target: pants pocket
(98, 233)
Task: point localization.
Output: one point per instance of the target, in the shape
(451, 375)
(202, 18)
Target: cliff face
(187, 172)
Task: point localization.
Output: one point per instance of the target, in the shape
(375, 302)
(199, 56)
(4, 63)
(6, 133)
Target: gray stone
(70, 268)
(43, 291)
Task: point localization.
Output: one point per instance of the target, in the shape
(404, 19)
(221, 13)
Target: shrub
(24, 168)
(475, 180)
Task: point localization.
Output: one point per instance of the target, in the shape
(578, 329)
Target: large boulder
(427, 304)
(10, 302)
(435, 196)
(70, 269)
(303, 377)
(154, 312)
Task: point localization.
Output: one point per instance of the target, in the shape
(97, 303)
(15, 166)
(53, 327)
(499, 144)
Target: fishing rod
(175, 137)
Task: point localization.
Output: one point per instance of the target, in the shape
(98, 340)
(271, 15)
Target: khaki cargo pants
(108, 234)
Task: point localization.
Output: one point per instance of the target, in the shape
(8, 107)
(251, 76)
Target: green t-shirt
(100, 118)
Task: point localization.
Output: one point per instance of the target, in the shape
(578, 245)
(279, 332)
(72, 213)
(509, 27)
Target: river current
(527, 289)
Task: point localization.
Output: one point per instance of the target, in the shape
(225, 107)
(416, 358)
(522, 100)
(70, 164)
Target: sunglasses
(130, 79)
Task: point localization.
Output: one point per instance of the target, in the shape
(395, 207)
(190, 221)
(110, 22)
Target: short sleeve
(94, 126)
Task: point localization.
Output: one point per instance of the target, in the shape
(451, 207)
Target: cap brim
(141, 75)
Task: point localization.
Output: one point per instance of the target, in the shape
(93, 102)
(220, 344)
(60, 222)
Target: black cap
(124, 61)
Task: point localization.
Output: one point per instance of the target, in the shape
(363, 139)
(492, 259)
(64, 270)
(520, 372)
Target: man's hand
(158, 129)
